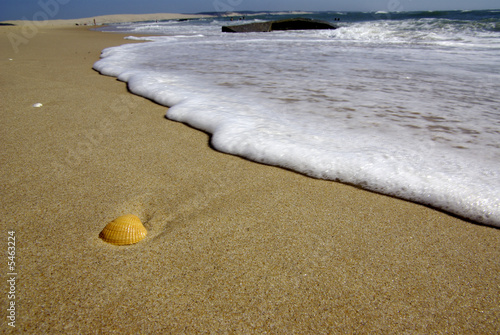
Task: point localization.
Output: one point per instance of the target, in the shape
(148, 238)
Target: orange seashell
(126, 229)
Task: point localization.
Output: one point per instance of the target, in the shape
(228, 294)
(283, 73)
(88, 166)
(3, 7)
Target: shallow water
(405, 105)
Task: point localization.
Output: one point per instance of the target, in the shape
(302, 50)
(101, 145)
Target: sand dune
(103, 19)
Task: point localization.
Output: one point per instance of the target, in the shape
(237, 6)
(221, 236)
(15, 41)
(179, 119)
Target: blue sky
(70, 9)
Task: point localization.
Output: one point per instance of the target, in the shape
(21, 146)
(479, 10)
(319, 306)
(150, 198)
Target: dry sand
(233, 246)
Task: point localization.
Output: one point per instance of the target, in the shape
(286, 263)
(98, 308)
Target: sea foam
(389, 117)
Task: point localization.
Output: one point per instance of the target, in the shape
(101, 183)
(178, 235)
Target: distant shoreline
(105, 19)
(121, 18)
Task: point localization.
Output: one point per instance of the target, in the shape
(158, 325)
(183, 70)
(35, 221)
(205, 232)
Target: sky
(72, 9)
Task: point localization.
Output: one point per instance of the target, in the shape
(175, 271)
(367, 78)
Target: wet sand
(233, 246)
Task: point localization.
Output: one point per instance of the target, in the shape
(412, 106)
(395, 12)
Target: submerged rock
(289, 24)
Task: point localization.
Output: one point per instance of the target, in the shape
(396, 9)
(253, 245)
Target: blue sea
(405, 104)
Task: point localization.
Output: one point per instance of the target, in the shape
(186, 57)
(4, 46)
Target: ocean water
(405, 104)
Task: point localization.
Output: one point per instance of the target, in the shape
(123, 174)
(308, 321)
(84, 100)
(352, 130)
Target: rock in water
(289, 24)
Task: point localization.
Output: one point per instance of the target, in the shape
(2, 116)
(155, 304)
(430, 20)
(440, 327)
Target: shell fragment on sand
(126, 229)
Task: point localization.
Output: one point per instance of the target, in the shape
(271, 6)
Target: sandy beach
(233, 246)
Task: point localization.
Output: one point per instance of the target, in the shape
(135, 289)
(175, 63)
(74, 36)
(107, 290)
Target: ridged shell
(126, 229)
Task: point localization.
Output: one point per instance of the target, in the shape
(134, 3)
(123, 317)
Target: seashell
(37, 105)
(126, 229)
